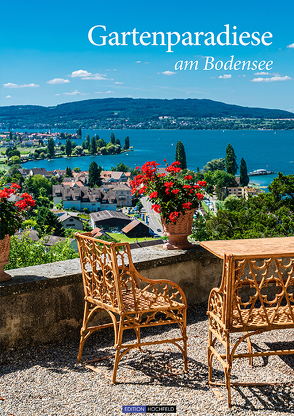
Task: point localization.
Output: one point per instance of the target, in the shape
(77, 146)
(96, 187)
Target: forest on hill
(134, 113)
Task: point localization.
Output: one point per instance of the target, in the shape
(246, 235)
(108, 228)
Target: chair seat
(261, 317)
(140, 300)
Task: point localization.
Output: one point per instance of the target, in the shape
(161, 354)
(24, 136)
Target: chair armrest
(216, 303)
(170, 290)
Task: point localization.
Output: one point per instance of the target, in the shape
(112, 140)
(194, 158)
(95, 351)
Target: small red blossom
(199, 195)
(156, 208)
(175, 191)
(173, 216)
(187, 205)
(202, 184)
(196, 186)
(187, 186)
(160, 175)
(164, 160)
(153, 195)
(188, 177)
(169, 184)
(142, 190)
(137, 168)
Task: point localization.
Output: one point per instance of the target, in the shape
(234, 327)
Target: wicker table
(256, 295)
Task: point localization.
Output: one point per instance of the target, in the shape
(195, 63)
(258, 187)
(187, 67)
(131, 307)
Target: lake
(261, 149)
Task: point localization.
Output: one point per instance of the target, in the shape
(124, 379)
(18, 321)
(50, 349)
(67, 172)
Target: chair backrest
(107, 270)
(266, 284)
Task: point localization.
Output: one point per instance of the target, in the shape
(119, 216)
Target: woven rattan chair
(112, 283)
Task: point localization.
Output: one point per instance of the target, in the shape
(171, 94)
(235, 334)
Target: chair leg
(228, 369)
(209, 354)
(118, 348)
(182, 326)
(138, 335)
(250, 350)
(83, 332)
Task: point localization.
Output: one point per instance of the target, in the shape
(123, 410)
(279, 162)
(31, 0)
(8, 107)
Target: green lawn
(121, 238)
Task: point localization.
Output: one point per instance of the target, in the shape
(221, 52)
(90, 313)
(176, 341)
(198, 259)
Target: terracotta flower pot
(4, 258)
(178, 232)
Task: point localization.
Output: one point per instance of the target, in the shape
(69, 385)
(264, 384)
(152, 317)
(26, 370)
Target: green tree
(68, 171)
(93, 149)
(244, 178)
(120, 167)
(215, 164)
(101, 143)
(79, 133)
(50, 147)
(77, 169)
(78, 150)
(117, 141)
(48, 222)
(87, 142)
(231, 160)
(14, 160)
(36, 183)
(112, 138)
(94, 175)
(181, 155)
(68, 149)
(127, 143)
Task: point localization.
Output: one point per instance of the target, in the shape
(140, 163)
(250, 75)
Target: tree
(94, 175)
(77, 169)
(79, 133)
(244, 178)
(215, 164)
(68, 149)
(78, 150)
(181, 155)
(93, 149)
(50, 147)
(120, 167)
(230, 160)
(36, 182)
(112, 138)
(127, 143)
(68, 171)
(48, 222)
(100, 142)
(117, 141)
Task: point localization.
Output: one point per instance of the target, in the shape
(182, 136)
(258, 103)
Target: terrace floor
(47, 381)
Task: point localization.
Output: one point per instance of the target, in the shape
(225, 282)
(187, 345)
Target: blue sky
(47, 58)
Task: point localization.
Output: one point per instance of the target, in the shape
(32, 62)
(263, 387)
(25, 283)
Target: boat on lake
(259, 172)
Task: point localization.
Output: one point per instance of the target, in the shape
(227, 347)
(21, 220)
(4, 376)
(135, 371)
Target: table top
(250, 248)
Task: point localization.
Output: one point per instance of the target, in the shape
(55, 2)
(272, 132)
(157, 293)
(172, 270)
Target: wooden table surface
(257, 247)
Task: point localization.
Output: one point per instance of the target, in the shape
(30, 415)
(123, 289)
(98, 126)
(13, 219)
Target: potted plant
(13, 208)
(172, 196)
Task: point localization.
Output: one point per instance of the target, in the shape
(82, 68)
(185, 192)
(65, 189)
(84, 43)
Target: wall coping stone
(44, 276)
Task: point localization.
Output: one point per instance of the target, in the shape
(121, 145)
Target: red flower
(153, 195)
(156, 208)
(187, 205)
(142, 190)
(173, 216)
(202, 184)
(168, 184)
(199, 196)
(188, 177)
(137, 168)
(175, 191)
(187, 186)
(164, 160)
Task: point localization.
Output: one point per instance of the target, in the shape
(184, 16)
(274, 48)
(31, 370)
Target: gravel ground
(47, 381)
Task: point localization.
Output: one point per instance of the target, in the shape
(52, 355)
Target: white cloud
(80, 73)
(272, 79)
(118, 82)
(225, 76)
(262, 73)
(8, 96)
(87, 75)
(74, 93)
(168, 73)
(291, 46)
(58, 81)
(11, 85)
(104, 92)
(138, 62)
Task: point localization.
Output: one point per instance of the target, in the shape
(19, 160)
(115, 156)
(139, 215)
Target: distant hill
(101, 112)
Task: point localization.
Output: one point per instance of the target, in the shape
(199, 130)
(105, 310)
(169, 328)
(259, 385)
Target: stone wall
(44, 304)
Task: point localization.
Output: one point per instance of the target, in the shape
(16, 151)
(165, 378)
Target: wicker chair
(112, 283)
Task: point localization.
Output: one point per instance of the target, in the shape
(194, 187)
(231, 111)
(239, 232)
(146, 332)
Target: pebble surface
(47, 381)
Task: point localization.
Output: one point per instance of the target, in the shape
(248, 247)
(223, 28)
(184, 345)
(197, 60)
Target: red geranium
(170, 193)
(13, 209)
